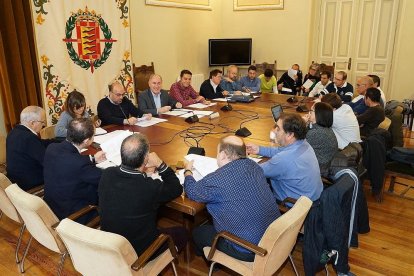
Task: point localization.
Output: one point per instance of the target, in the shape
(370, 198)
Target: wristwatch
(185, 171)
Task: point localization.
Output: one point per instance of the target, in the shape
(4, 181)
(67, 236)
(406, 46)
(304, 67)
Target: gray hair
(30, 113)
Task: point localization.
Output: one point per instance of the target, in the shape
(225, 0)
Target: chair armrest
(283, 208)
(243, 243)
(163, 238)
(94, 223)
(78, 214)
(38, 190)
(288, 200)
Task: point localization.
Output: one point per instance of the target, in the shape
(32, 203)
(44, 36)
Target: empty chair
(273, 249)
(141, 76)
(7, 208)
(96, 252)
(48, 132)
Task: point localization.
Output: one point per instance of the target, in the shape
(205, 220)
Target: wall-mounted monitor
(237, 51)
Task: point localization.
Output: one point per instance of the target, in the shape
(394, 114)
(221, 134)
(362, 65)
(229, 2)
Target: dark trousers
(203, 236)
(178, 234)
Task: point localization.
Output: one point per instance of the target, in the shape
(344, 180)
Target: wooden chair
(328, 68)
(261, 67)
(39, 220)
(273, 249)
(48, 132)
(402, 171)
(141, 77)
(385, 124)
(96, 252)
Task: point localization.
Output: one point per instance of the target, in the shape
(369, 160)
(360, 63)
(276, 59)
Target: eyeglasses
(119, 95)
(42, 122)
(361, 84)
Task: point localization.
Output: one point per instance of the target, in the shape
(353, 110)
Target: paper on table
(103, 138)
(286, 89)
(308, 84)
(200, 105)
(105, 164)
(197, 176)
(100, 131)
(203, 164)
(147, 123)
(112, 147)
(221, 99)
(257, 160)
(292, 73)
(177, 112)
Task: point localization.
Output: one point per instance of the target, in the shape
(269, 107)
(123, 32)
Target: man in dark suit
(211, 89)
(129, 199)
(25, 151)
(71, 179)
(155, 100)
(118, 109)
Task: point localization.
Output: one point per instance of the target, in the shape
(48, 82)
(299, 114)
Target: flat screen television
(237, 51)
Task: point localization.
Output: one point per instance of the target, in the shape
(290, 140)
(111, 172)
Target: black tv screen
(236, 51)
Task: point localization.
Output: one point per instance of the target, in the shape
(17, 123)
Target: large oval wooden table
(172, 139)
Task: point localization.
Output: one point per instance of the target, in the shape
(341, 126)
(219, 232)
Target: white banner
(83, 45)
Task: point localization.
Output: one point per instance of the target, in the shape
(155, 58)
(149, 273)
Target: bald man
(237, 196)
(358, 103)
(155, 100)
(117, 109)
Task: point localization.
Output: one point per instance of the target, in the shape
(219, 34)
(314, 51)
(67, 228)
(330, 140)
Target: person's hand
(225, 93)
(306, 117)
(99, 156)
(306, 90)
(252, 148)
(206, 102)
(295, 77)
(164, 109)
(97, 123)
(280, 86)
(153, 160)
(178, 105)
(200, 99)
(132, 121)
(188, 165)
(237, 93)
(147, 116)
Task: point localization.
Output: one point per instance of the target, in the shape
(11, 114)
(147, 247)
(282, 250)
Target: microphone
(243, 131)
(226, 107)
(301, 106)
(192, 119)
(125, 116)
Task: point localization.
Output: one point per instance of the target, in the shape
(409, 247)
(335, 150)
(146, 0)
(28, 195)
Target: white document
(112, 147)
(105, 164)
(255, 159)
(286, 89)
(203, 164)
(100, 131)
(106, 137)
(147, 123)
(177, 112)
(308, 84)
(200, 105)
(221, 99)
(292, 73)
(180, 174)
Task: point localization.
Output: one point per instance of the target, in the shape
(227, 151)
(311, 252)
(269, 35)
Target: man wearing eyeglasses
(340, 86)
(25, 150)
(117, 109)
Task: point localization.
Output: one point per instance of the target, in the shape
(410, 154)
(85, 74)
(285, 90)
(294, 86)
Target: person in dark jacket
(374, 115)
(211, 89)
(129, 198)
(25, 151)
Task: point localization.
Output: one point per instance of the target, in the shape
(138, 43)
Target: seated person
(75, 107)
(288, 82)
(116, 108)
(320, 87)
(183, 92)
(345, 124)
(312, 75)
(129, 199)
(237, 196)
(267, 81)
(374, 115)
(250, 83)
(211, 89)
(71, 179)
(230, 82)
(25, 151)
(321, 136)
(377, 83)
(292, 168)
(341, 87)
(155, 100)
(358, 103)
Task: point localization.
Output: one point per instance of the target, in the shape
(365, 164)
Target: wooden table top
(172, 139)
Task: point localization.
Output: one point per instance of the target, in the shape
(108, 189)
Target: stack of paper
(112, 148)
(147, 123)
(200, 105)
(177, 112)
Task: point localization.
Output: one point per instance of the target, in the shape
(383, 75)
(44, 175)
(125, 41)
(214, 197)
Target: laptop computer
(276, 111)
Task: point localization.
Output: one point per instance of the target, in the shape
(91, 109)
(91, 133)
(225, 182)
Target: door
(358, 36)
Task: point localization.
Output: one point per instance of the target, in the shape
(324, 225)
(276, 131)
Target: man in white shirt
(345, 124)
(320, 88)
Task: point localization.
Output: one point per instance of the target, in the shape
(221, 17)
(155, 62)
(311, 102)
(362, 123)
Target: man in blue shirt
(230, 83)
(293, 168)
(237, 196)
(250, 83)
(358, 103)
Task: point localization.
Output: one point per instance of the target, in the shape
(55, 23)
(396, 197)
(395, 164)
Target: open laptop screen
(276, 111)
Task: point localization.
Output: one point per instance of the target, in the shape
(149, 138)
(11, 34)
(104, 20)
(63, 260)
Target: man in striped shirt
(340, 86)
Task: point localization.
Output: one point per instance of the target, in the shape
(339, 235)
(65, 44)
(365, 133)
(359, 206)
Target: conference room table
(172, 139)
